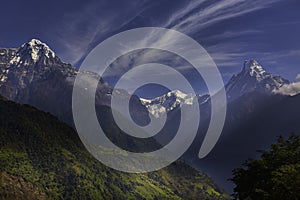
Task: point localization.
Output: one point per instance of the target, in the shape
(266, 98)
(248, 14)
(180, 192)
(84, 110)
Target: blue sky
(230, 30)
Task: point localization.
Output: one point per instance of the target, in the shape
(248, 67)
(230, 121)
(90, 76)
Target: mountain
(32, 62)
(33, 74)
(43, 158)
(253, 78)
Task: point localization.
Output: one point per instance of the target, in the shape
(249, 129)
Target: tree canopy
(276, 175)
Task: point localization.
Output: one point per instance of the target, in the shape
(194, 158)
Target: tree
(276, 175)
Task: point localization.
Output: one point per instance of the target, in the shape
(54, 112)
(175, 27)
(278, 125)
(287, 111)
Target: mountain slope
(48, 157)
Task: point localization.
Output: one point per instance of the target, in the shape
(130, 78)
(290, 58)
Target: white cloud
(297, 79)
(291, 89)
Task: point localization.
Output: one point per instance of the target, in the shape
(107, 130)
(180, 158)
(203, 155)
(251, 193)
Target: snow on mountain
(167, 102)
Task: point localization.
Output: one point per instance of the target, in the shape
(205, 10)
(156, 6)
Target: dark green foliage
(275, 176)
(49, 155)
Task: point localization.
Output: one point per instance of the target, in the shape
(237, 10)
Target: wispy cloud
(92, 26)
(81, 29)
(228, 53)
(282, 54)
(279, 55)
(200, 14)
(197, 15)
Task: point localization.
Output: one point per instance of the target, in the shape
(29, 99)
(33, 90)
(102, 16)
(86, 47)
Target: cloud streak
(200, 14)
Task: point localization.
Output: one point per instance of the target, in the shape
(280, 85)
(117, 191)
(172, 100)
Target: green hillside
(43, 158)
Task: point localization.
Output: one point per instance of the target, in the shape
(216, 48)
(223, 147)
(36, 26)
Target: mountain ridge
(252, 77)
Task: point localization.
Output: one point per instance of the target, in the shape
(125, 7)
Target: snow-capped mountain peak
(38, 47)
(253, 77)
(32, 52)
(32, 61)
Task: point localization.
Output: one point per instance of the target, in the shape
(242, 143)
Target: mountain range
(32, 74)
